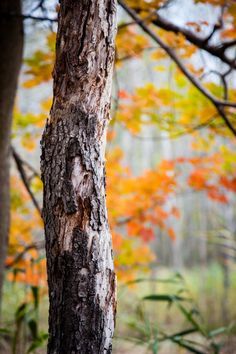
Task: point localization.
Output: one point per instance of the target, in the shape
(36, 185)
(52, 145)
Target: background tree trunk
(11, 50)
(78, 244)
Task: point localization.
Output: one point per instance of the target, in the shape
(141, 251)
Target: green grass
(205, 287)
(137, 320)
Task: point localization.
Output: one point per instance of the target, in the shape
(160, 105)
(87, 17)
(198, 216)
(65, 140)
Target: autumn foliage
(138, 204)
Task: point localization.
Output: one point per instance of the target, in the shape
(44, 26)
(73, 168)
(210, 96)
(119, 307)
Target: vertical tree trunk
(78, 244)
(11, 48)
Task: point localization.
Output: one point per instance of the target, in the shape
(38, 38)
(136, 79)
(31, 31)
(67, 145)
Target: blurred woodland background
(171, 179)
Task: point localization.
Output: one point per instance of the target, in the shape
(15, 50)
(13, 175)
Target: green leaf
(4, 331)
(188, 315)
(155, 347)
(187, 345)
(39, 342)
(141, 280)
(35, 292)
(21, 312)
(217, 331)
(164, 297)
(33, 326)
(183, 333)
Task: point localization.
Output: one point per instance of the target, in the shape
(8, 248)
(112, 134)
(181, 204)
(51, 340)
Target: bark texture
(11, 48)
(81, 277)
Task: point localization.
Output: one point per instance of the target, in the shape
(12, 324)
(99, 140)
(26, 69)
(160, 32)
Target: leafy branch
(219, 104)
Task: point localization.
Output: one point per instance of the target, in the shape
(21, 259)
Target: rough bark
(11, 48)
(81, 277)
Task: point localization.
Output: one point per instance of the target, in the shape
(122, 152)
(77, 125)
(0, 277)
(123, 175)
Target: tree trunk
(11, 49)
(81, 277)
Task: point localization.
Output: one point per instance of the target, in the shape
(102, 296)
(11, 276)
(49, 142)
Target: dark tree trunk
(11, 48)
(78, 243)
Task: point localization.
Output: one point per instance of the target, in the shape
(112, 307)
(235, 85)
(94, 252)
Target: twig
(28, 165)
(19, 164)
(19, 256)
(228, 44)
(28, 16)
(40, 5)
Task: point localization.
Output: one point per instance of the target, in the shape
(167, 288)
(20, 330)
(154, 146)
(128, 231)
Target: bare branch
(29, 166)
(19, 164)
(228, 44)
(40, 5)
(28, 16)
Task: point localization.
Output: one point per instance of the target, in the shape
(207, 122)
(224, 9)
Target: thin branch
(28, 16)
(19, 256)
(219, 104)
(19, 164)
(125, 24)
(223, 80)
(215, 28)
(40, 5)
(228, 44)
(225, 118)
(39, 18)
(177, 135)
(29, 166)
(202, 43)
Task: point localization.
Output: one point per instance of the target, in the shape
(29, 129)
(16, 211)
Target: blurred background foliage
(171, 179)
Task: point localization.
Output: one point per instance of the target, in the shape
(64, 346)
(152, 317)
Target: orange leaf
(123, 94)
(171, 233)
